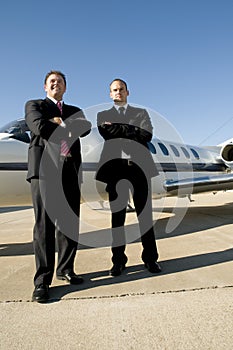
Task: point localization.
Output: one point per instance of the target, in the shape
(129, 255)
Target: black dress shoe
(71, 278)
(117, 269)
(41, 293)
(153, 267)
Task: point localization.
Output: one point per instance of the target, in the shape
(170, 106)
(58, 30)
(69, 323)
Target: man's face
(55, 86)
(118, 92)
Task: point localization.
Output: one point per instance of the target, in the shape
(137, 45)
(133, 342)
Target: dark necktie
(122, 111)
(64, 147)
(124, 153)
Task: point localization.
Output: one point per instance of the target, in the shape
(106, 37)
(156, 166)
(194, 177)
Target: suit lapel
(128, 112)
(65, 113)
(53, 110)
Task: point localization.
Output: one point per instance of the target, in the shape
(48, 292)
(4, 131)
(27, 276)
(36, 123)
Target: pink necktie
(64, 147)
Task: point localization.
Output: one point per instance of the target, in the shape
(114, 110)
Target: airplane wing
(199, 184)
(218, 178)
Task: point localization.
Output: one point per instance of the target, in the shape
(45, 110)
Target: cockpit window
(19, 125)
(18, 129)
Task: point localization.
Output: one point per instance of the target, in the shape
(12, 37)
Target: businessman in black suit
(127, 165)
(54, 160)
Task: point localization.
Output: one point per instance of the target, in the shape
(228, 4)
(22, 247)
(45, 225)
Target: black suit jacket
(47, 135)
(130, 135)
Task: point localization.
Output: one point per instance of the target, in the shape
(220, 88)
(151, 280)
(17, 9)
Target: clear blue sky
(176, 55)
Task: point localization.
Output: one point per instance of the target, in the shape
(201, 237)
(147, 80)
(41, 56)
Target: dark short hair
(57, 72)
(122, 81)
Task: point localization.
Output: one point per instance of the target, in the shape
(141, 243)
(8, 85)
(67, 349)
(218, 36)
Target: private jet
(183, 169)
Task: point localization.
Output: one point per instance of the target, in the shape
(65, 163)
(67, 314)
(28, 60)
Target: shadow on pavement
(137, 272)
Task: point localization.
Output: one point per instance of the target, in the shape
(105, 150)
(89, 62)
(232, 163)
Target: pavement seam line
(122, 295)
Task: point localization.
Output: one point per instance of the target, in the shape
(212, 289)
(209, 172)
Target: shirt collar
(55, 101)
(117, 106)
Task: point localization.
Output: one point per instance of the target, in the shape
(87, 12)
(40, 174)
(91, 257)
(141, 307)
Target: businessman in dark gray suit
(54, 171)
(127, 165)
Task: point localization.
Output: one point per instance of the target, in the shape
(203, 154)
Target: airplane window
(196, 155)
(185, 152)
(175, 150)
(151, 147)
(163, 148)
(6, 127)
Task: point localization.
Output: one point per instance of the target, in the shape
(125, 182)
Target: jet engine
(227, 154)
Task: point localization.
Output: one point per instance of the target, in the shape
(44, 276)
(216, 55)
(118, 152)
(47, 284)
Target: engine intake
(227, 153)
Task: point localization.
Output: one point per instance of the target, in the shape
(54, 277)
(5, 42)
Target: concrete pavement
(187, 306)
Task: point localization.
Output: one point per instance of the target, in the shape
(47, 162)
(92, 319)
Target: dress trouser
(48, 204)
(133, 179)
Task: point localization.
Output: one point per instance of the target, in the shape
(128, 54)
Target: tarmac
(189, 305)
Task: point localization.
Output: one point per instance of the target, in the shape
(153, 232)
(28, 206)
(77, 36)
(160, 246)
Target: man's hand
(57, 120)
